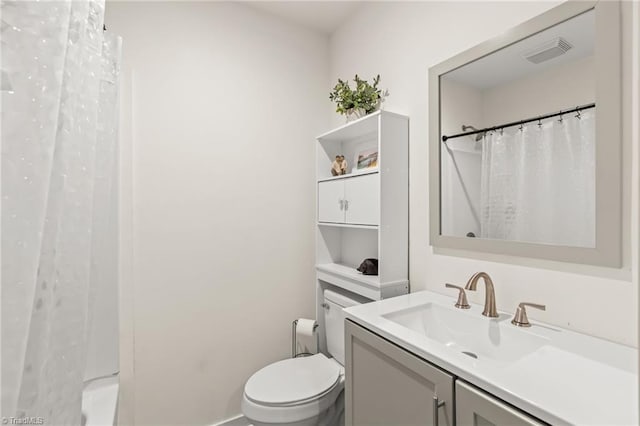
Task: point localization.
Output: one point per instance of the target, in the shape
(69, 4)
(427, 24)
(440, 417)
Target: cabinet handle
(346, 204)
(341, 202)
(436, 405)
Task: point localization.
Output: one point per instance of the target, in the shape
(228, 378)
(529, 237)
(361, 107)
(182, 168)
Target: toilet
(305, 390)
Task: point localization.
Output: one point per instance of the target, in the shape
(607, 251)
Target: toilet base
(332, 416)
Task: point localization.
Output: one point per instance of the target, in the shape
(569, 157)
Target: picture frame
(365, 158)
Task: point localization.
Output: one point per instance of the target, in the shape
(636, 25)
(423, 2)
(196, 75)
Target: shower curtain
(538, 182)
(59, 136)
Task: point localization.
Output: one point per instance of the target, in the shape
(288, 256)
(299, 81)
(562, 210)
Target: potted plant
(355, 103)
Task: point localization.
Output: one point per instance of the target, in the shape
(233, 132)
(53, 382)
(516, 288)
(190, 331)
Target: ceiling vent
(548, 50)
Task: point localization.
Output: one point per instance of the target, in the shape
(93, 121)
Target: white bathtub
(100, 402)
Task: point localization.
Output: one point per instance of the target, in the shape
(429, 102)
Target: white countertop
(573, 379)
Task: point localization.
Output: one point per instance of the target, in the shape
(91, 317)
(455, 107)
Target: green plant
(365, 96)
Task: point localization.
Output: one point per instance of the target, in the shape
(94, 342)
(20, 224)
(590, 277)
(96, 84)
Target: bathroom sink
(479, 337)
(532, 368)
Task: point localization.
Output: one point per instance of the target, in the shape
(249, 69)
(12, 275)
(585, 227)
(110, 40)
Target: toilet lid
(293, 380)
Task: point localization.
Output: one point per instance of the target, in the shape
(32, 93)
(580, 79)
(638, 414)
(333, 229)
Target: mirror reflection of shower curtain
(538, 183)
(59, 138)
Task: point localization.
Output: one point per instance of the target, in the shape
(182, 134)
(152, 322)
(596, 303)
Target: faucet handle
(462, 302)
(520, 318)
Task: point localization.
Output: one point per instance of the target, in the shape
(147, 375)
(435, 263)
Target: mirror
(525, 140)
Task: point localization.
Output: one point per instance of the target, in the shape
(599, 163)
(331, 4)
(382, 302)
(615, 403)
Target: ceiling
(507, 64)
(323, 16)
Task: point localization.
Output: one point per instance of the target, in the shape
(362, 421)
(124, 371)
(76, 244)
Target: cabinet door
(330, 201)
(363, 199)
(477, 408)
(387, 385)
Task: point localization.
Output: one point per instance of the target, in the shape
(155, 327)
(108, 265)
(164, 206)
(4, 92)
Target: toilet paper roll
(305, 336)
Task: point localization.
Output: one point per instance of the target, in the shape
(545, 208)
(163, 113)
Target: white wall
(402, 41)
(103, 336)
(569, 85)
(221, 109)
(461, 159)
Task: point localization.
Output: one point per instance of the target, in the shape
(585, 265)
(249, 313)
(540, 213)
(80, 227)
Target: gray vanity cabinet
(477, 408)
(387, 385)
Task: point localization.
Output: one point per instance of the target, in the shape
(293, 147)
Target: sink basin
(479, 337)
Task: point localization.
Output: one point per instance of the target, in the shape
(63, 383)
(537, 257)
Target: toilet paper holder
(294, 340)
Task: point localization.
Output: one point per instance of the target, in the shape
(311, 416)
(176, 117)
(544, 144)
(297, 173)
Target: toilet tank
(334, 320)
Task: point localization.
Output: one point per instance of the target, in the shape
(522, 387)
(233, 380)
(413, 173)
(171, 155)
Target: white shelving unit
(364, 214)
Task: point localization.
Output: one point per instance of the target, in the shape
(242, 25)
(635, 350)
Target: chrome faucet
(489, 293)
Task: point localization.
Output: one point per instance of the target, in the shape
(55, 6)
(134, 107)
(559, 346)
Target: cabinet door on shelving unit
(386, 385)
(362, 194)
(331, 201)
(477, 408)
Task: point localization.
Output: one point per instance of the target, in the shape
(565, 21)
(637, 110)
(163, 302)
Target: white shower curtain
(538, 182)
(58, 147)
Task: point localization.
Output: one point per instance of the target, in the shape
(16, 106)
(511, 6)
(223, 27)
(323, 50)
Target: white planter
(355, 113)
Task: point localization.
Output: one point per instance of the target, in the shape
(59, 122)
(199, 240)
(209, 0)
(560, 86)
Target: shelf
(349, 273)
(345, 237)
(348, 225)
(368, 286)
(361, 173)
(357, 128)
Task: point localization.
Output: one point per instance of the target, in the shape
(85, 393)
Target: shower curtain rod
(516, 123)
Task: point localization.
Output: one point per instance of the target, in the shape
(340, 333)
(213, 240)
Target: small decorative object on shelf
(369, 267)
(365, 99)
(339, 166)
(366, 159)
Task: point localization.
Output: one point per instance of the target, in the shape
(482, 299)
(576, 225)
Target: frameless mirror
(525, 140)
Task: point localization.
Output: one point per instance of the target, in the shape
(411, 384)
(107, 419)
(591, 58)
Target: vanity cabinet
(386, 385)
(353, 200)
(478, 408)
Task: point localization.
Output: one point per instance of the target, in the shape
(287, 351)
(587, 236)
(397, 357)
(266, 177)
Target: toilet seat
(292, 381)
(293, 389)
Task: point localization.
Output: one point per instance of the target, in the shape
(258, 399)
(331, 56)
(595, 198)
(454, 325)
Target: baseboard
(234, 421)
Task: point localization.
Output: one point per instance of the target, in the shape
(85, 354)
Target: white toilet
(304, 390)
